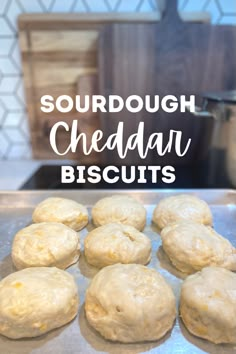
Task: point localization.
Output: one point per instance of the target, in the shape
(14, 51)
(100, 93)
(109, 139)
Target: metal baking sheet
(78, 337)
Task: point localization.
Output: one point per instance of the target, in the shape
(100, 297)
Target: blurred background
(117, 47)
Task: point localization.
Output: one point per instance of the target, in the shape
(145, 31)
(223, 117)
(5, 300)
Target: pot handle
(200, 113)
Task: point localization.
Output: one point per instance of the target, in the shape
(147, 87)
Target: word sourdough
(115, 103)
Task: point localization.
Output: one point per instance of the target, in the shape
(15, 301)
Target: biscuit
(34, 301)
(65, 211)
(45, 245)
(181, 207)
(116, 243)
(208, 305)
(130, 303)
(119, 208)
(191, 247)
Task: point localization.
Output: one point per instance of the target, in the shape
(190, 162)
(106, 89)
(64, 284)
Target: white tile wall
(3, 5)
(14, 132)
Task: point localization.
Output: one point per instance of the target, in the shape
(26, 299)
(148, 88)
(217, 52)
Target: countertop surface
(13, 174)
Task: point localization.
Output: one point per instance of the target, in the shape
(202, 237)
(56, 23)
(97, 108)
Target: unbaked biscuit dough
(116, 243)
(130, 303)
(34, 301)
(191, 247)
(65, 211)
(181, 207)
(45, 244)
(119, 208)
(208, 305)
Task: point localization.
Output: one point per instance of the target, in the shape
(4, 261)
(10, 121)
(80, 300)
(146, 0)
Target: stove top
(199, 175)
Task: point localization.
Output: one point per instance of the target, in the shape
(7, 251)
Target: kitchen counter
(13, 174)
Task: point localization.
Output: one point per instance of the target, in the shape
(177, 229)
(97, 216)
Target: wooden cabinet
(60, 57)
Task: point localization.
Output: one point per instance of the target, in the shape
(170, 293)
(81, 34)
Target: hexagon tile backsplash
(14, 133)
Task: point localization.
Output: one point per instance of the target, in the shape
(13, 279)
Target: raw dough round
(119, 208)
(208, 305)
(45, 245)
(191, 247)
(181, 207)
(62, 210)
(116, 243)
(130, 303)
(34, 301)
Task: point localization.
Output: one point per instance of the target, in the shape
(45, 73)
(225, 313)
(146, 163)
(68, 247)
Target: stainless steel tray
(77, 337)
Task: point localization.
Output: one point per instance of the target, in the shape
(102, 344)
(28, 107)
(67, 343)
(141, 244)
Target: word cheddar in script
(116, 141)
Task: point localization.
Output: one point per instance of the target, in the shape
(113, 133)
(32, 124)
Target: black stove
(200, 175)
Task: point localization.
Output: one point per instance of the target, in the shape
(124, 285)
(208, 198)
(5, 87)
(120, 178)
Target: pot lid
(225, 96)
